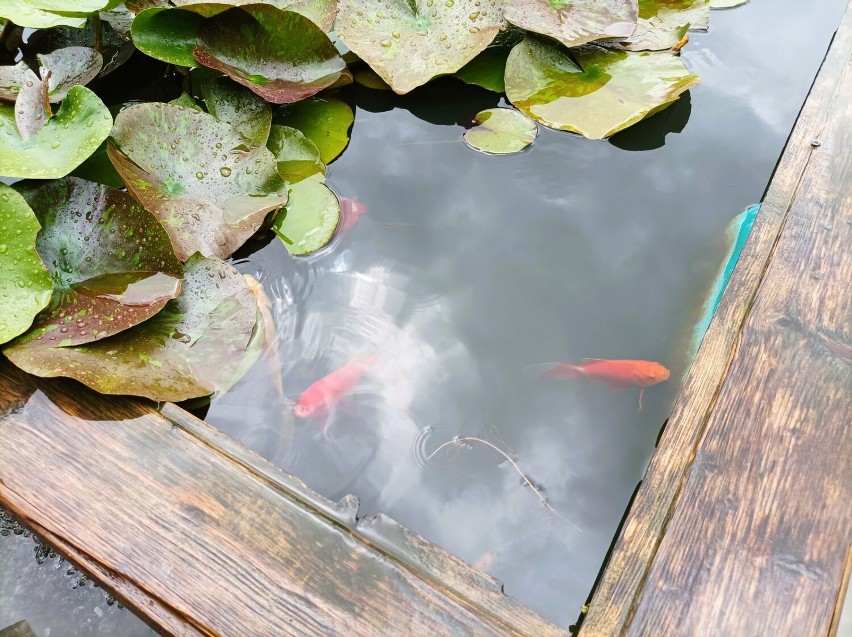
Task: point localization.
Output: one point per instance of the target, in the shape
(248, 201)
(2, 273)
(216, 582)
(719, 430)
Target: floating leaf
(229, 102)
(501, 131)
(196, 345)
(574, 22)
(186, 101)
(25, 285)
(487, 69)
(25, 14)
(114, 48)
(167, 34)
(32, 108)
(324, 120)
(111, 262)
(280, 55)
(196, 175)
(607, 92)
(69, 67)
(99, 168)
(62, 144)
(320, 12)
(663, 23)
(12, 77)
(297, 156)
(310, 218)
(408, 42)
(365, 76)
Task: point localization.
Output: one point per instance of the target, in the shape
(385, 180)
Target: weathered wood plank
(200, 536)
(739, 525)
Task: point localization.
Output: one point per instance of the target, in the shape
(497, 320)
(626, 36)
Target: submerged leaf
(196, 175)
(25, 285)
(196, 345)
(111, 262)
(663, 23)
(229, 102)
(607, 92)
(501, 131)
(310, 218)
(574, 22)
(297, 156)
(408, 42)
(487, 69)
(280, 55)
(324, 120)
(62, 144)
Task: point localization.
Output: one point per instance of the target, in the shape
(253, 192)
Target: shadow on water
(651, 133)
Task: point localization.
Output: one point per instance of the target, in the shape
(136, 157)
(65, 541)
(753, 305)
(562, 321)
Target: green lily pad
(25, 284)
(62, 144)
(320, 12)
(297, 156)
(574, 22)
(25, 14)
(408, 42)
(280, 55)
(111, 262)
(196, 345)
(607, 92)
(196, 175)
(488, 69)
(310, 218)
(167, 34)
(663, 23)
(99, 168)
(501, 131)
(186, 101)
(229, 102)
(324, 120)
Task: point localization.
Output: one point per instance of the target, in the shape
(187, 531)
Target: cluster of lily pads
(112, 253)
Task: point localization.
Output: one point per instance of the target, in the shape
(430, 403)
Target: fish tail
(553, 370)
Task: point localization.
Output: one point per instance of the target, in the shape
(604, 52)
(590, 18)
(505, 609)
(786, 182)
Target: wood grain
(742, 520)
(199, 536)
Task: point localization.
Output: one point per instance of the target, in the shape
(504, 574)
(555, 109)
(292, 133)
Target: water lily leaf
(69, 67)
(297, 156)
(99, 168)
(196, 175)
(574, 22)
(320, 12)
(663, 23)
(167, 34)
(726, 4)
(62, 144)
(229, 102)
(487, 69)
(408, 42)
(280, 55)
(324, 120)
(607, 92)
(501, 131)
(111, 262)
(25, 284)
(193, 347)
(115, 49)
(365, 76)
(24, 14)
(32, 108)
(12, 77)
(310, 218)
(186, 101)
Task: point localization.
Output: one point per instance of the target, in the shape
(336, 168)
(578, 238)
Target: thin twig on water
(536, 489)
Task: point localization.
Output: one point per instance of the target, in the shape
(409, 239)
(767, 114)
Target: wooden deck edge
(623, 577)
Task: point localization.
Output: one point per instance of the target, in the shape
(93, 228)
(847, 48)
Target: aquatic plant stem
(515, 466)
(99, 32)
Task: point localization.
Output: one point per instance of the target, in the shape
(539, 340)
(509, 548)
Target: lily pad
(196, 175)
(196, 345)
(62, 144)
(324, 120)
(12, 77)
(408, 42)
(574, 22)
(32, 108)
(488, 69)
(67, 67)
(663, 23)
(320, 12)
(280, 55)
(297, 156)
(167, 34)
(310, 218)
(25, 284)
(186, 101)
(596, 93)
(365, 76)
(229, 102)
(501, 131)
(111, 262)
(25, 14)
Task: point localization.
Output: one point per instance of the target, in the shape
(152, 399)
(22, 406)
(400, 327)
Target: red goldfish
(329, 391)
(618, 373)
(350, 210)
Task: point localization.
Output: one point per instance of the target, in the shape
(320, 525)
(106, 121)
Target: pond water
(464, 270)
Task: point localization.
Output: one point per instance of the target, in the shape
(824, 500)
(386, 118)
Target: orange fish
(328, 392)
(350, 210)
(618, 373)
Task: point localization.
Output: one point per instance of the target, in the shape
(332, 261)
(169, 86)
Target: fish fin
(349, 407)
(553, 370)
(641, 392)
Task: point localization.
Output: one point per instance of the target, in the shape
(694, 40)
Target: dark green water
(465, 269)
